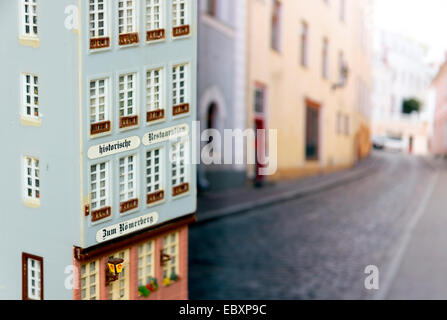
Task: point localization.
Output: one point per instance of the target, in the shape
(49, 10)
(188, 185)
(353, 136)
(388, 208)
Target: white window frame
(37, 270)
(128, 178)
(94, 32)
(33, 95)
(177, 13)
(154, 20)
(179, 163)
(123, 94)
(32, 178)
(151, 174)
(100, 194)
(32, 16)
(89, 277)
(95, 108)
(124, 25)
(171, 247)
(178, 97)
(146, 260)
(155, 89)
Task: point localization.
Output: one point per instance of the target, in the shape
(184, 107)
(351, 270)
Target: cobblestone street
(316, 246)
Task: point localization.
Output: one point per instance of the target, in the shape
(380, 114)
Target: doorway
(259, 124)
(312, 131)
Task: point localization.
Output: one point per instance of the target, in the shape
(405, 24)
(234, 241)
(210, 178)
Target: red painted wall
(176, 291)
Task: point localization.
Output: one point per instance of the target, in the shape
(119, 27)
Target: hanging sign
(127, 227)
(166, 134)
(113, 147)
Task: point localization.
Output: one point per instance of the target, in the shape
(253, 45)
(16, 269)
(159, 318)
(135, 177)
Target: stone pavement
(215, 205)
(318, 245)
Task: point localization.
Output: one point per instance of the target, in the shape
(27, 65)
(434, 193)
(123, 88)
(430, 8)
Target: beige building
(309, 77)
(401, 72)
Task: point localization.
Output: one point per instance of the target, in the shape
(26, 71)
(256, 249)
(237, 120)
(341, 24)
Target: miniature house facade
(99, 103)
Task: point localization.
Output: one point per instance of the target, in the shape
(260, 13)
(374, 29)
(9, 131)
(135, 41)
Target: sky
(422, 20)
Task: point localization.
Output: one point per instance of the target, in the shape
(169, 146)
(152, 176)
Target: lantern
(115, 267)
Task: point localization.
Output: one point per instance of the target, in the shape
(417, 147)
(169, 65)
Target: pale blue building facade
(95, 106)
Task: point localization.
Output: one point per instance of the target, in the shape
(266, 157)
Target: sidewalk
(216, 205)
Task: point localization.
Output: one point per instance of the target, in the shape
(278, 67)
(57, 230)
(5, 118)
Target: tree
(411, 105)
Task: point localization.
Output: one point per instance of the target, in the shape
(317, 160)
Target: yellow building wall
(288, 84)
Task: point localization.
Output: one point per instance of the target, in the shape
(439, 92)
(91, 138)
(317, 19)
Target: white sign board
(127, 227)
(113, 147)
(166, 134)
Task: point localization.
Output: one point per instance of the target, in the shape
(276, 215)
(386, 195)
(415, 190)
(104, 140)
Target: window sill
(93, 51)
(152, 123)
(28, 41)
(181, 116)
(180, 196)
(127, 46)
(32, 203)
(30, 121)
(100, 135)
(121, 130)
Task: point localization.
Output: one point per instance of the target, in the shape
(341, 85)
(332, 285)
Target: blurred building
(401, 73)
(439, 85)
(222, 81)
(309, 77)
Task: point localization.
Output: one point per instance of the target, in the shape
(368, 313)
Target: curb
(349, 176)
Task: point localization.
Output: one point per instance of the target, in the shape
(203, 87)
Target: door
(312, 131)
(119, 290)
(259, 147)
(260, 124)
